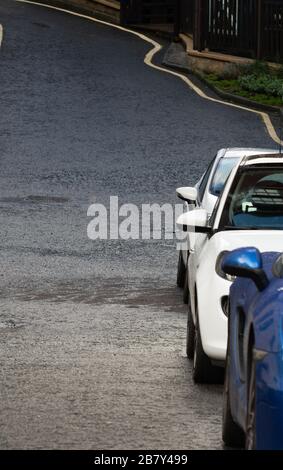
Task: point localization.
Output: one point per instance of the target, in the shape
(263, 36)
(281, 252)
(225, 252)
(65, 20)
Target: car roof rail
(248, 158)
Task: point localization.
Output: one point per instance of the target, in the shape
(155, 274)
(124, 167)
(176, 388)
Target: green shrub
(257, 82)
(263, 83)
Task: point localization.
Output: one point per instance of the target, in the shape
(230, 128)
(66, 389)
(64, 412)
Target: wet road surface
(92, 333)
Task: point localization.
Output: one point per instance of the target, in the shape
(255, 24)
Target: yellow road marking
(148, 61)
(1, 34)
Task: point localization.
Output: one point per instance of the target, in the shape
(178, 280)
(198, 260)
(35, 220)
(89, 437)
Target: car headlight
(218, 269)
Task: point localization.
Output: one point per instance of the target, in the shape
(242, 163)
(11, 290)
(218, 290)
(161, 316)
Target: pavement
(93, 332)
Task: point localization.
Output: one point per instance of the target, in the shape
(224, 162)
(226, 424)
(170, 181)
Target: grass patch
(255, 82)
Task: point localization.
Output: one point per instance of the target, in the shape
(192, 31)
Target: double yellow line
(148, 60)
(1, 34)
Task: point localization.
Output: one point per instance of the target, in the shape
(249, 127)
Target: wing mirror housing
(188, 194)
(246, 262)
(194, 221)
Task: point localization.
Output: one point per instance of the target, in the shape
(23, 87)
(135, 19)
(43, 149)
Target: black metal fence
(271, 30)
(230, 26)
(251, 28)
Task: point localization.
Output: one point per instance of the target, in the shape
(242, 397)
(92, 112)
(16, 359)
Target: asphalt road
(92, 333)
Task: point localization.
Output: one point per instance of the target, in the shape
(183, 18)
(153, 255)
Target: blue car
(253, 388)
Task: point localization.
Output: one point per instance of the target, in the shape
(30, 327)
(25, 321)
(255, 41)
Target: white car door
(196, 241)
(209, 190)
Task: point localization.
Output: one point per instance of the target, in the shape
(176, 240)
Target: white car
(249, 212)
(205, 195)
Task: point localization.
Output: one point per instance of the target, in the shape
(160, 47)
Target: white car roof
(242, 152)
(256, 159)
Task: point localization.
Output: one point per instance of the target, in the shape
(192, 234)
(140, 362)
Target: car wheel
(251, 409)
(181, 271)
(190, 345)
(186, 288)
(232, 434)
(203, 370)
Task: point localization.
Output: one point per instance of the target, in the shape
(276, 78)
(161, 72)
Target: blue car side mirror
(246, 262)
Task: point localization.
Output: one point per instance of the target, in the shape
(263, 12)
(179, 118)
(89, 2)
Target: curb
(242, 100)
(224, 94)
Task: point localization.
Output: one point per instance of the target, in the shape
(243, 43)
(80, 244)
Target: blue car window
(255, 200)
(222, 171)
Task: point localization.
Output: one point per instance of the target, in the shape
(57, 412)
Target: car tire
(186, 288)
(232, 434)
(190, 344)
(251, 406)
(181, 271)
(203, 371)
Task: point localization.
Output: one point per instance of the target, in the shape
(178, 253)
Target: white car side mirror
(194, 221)
(188, 194)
